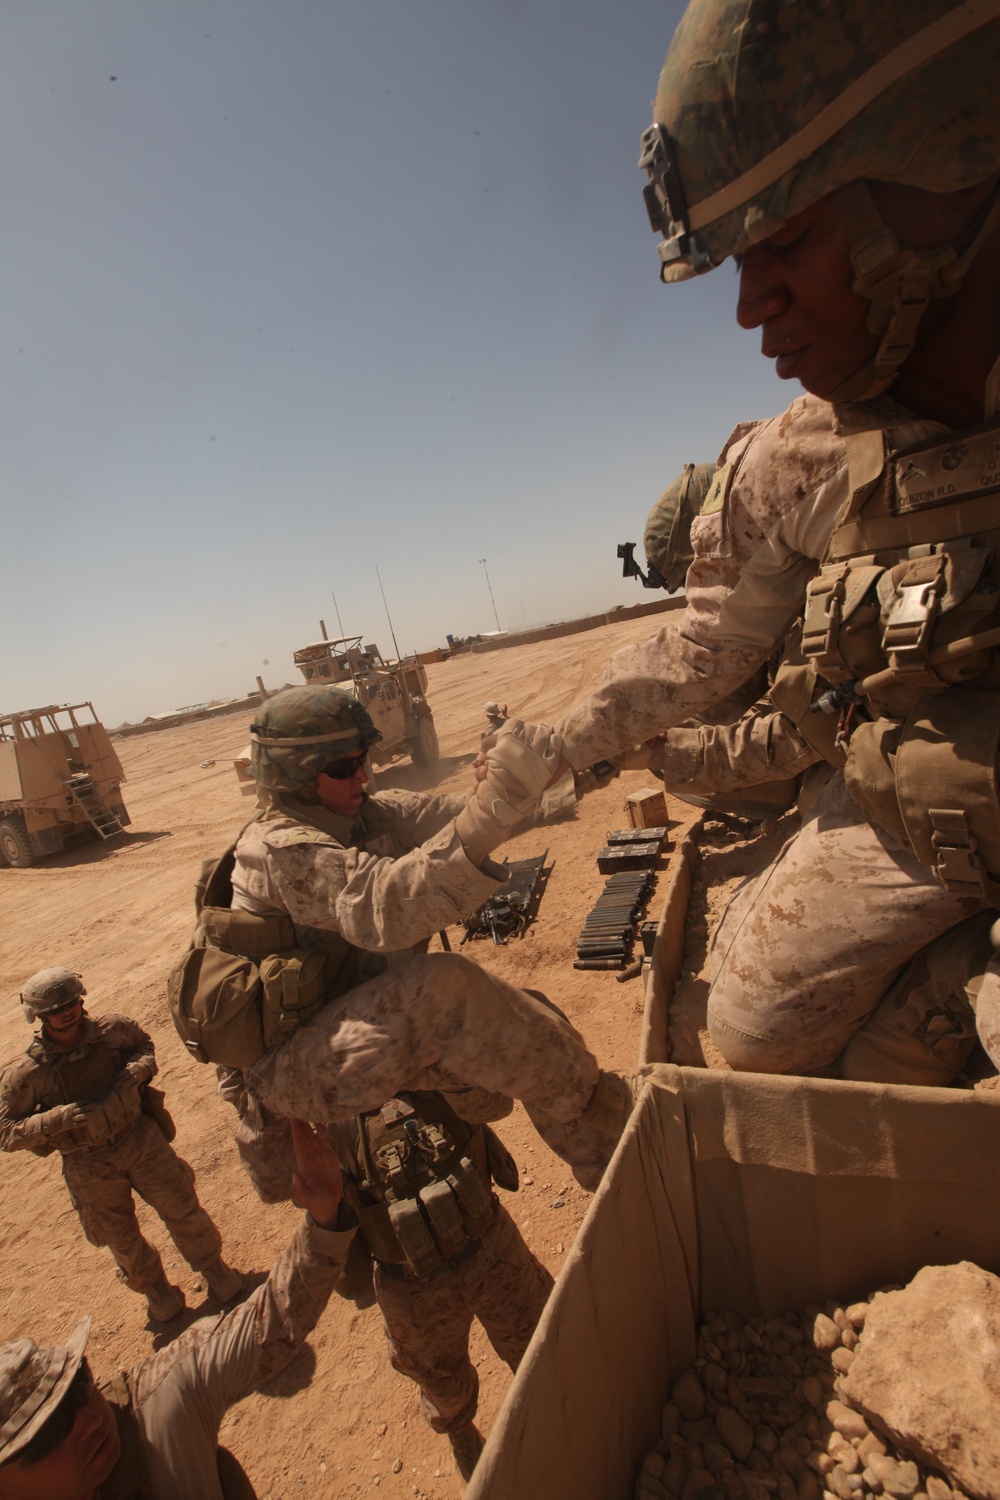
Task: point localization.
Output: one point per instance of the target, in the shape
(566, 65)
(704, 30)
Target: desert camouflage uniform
(427, 1323)
(415, 1020)
(101, 1178)
(763, 746)
(806, 951)
(427, 1320)
(170, 1407)
(755, 548)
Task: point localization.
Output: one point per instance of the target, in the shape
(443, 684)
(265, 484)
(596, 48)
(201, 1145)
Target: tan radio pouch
(932, 782)
(294, 989)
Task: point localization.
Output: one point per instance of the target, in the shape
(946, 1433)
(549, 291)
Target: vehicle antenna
(340, 623)
(391, 631)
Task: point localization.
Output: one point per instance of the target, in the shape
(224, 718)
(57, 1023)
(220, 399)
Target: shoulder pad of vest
(300, 833)
(35, 1050)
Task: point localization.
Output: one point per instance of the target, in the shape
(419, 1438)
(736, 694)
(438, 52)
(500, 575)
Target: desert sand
(339, 1421)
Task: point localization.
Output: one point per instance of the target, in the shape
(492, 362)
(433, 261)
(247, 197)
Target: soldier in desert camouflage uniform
(739, 754)
(431, 1280)
(151, 1432)
(848, 157)
(80, 1091)
(360, 883)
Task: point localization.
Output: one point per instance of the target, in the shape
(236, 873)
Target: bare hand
(317, 1185)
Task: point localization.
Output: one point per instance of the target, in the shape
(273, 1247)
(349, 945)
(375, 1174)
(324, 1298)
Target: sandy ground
(339, 1420)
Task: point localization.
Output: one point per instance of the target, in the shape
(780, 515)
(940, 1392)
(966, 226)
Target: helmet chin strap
(898, 282)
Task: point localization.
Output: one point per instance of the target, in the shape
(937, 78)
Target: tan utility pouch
(294, 989)
(215, 1001)
(106, 1119)
(946, 781)
(154, 1105)
(932, 782)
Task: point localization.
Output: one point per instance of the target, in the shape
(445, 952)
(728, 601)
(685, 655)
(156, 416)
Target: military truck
(393, 692)
(59, 776)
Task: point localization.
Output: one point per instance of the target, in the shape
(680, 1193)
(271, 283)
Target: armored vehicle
(393, 692)
(59, 776)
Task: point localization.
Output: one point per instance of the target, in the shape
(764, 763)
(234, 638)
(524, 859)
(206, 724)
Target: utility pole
(492, 600)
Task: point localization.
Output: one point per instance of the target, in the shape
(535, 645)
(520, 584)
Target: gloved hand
(62, 1117)
(139, 1071)
(522, 761)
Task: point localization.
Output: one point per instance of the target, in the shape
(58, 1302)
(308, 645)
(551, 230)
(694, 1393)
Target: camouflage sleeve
(23, 1102)
(765, 476)
(187, 1387)
(762, 746)
(379, 904)
(422, 815)
(133, 1047)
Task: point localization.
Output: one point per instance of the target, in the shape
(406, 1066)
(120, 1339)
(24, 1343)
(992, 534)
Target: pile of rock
(839, 1403)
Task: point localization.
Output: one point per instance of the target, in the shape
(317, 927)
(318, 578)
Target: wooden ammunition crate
(648, 808)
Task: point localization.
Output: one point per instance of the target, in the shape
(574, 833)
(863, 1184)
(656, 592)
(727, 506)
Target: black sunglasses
(57, 1427)
(344, 769)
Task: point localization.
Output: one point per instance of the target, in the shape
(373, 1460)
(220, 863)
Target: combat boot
(164, 1301)
(223, 1281)
(466, 1445)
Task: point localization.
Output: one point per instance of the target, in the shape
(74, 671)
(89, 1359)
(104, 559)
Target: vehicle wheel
(15, 844)
(425, 749)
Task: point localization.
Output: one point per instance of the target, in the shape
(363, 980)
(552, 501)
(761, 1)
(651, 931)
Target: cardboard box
(736, 1190)
(648, 808)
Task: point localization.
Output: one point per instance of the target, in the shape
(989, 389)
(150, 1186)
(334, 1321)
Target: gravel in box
(759, 1415)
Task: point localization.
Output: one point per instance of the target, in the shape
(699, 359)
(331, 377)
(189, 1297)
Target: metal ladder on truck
(99, 815)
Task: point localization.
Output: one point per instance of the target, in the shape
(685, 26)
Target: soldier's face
(796, 288)
(82, 1461)
(64, 1025)
(343, 795)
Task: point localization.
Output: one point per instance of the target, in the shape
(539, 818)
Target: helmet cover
(766, 106)
(50, 989)
(667, 539)
(301, 730)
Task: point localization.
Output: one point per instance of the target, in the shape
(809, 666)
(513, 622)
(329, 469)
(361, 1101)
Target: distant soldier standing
(79, 1090)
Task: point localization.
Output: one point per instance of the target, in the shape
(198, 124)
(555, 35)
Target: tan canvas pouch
(294, 987)
(870, 774)
(792, 691)
(946, 782)
(215, 1002)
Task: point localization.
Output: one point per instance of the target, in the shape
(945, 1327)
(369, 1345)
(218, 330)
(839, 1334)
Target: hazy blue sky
(295, 287)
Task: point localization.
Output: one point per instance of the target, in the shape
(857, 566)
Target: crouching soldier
(82, 1090)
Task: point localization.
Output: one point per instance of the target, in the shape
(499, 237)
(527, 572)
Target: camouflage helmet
(48, 990)
(667, 539)
(33, 1381)
(766, 106)
(301, 730)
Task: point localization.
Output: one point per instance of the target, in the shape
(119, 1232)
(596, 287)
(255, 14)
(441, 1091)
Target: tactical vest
(422, 1189)
(902, 621)
(244, 985)
(87, 1074)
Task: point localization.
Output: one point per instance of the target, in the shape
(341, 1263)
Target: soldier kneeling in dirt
(83, 1090)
